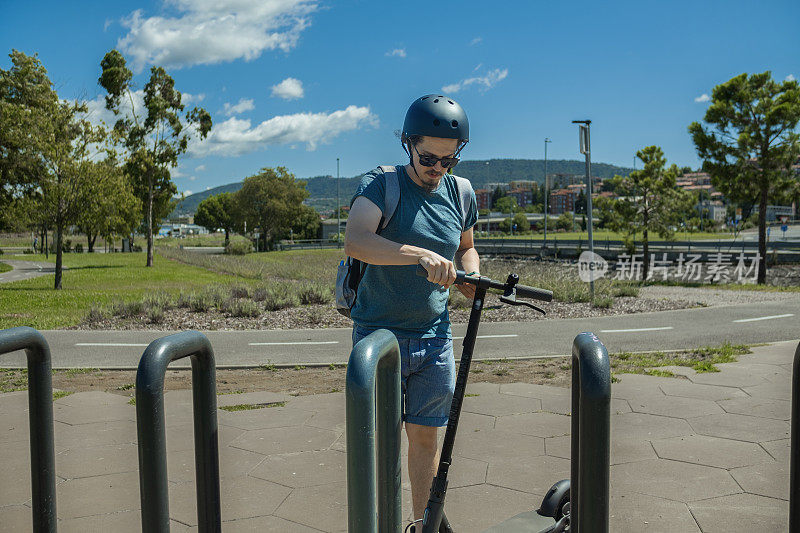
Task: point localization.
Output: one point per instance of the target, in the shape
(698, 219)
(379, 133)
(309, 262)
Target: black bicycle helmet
(436, 116)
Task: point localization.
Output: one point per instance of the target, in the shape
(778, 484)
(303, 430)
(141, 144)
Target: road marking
(634, 330)
(490, 337)
(764, 318)
(290, 343)
(108, 344)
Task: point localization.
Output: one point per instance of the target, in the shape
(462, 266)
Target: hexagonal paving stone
(469, 422)
(771, 479)
(741, 512)
(329, 512)
(464, 472)
(333, 418)
(674, 406)
(729, 376)
(97, 461)
(672, 480)
(536, 424)
(686, 389)
(527, 474)
(780, 449)
(265, 523)
(89, 415)
(15, 518)
(497, 443)
(96, 434)
(264, 418)
(496, 404)
(314, 402)
(286, 440)
(257, 397)
(763, 407)
(233, 462)
(478, 507)
(631, 512)
(777, 391)
(637, 386)
(304, 469)
(641, 426)
(622, 450)
(530, 390)
(124, 522)
(740, 427)
(93, 400)
(91, 496)
(241, 497)
(711, 451)
(181, 437)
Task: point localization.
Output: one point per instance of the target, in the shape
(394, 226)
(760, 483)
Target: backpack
(350, 271)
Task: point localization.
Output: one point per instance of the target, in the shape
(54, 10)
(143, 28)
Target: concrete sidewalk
(708, 453)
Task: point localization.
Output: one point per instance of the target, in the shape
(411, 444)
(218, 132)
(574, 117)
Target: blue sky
(301, 82)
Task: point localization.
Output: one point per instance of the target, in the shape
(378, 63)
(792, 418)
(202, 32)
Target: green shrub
(315, 293)
(626, 290)
(95, 314)
(127, 309)
(240, 291)
(79, 248)
(604, 302)
(160, 300)
(280, 296)
(241, 308)
(200, 303)
(238, 248)
(155, 315)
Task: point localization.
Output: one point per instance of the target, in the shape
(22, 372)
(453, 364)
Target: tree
(307, 225)
(272, 202)
(108, 205)
(750, 143)
(521, 221)
(154, 137)
(651, 201)
(497, 194)
(565, 222)
(217, 211)
(506, 204)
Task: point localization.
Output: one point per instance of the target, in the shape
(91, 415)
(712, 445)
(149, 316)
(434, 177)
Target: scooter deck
(529, 522)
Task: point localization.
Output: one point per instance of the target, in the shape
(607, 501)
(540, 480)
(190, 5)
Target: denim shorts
(428, 378)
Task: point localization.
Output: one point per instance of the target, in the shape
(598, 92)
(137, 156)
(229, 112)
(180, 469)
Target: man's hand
(468, 289)
(440, 270)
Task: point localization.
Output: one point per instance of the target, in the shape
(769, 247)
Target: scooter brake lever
(511, 300)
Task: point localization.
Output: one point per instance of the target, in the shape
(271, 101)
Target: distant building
(524, 196)
(524, 184)
(484, 198)
(562, 201)
(177, 230)
(505, 187)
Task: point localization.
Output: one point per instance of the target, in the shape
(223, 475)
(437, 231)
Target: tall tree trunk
(46, 244)
(762, 237)
(646, 252)
(91, 238)
(227, 236)
(150, 223)
(59, 252)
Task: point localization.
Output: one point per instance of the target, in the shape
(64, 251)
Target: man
(429, 229)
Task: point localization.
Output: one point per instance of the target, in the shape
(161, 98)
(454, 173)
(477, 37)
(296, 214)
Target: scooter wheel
(555, 500)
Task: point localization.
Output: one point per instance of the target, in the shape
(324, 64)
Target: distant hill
(322, 189)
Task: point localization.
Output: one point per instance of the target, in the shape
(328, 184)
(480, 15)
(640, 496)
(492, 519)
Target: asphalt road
(669, 330)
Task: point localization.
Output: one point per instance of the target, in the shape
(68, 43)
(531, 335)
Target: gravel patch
(714, 297)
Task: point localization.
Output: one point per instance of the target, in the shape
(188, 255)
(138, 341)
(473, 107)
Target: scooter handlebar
(523, 291)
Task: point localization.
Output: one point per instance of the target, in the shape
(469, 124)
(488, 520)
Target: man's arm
(468, 261)
(362, 243)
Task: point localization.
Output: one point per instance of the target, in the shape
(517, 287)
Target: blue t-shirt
(394, 296)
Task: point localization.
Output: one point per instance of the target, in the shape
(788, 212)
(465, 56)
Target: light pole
(585, 145)
(338, 209)
(546, 190)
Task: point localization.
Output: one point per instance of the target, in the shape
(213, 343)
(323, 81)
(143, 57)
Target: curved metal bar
(591, 435)
(40, 416)
(794, 482)
(151, 430)
(373, 398)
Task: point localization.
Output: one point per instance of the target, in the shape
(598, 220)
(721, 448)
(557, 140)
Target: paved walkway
(26, 270)
(708, 453)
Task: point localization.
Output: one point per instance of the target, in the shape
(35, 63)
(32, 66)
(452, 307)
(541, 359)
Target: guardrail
(151, 430)
(373, 457)
(40, 417)
(591, 435)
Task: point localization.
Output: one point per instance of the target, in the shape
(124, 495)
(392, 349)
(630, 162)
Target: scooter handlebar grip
(421, 272)
(523, 291)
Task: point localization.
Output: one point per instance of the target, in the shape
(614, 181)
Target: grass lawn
(211, 239)
(4, 267)
(94, 280)
(602, 235)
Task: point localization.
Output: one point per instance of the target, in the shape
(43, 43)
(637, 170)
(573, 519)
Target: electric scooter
(553, 514)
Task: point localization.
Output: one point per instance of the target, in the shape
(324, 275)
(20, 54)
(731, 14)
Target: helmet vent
(440, 96)
(423, 98)
(436, 101)
(436, 121)
(451, 102)
(454, 123)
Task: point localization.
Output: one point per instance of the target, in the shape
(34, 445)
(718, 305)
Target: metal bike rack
(151, 430)
(373, 457)
(794, 482)
(40, 416)
(591, 435)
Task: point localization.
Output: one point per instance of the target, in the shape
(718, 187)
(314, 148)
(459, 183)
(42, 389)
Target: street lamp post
(546, 190)
(587, 151)
(338, 209)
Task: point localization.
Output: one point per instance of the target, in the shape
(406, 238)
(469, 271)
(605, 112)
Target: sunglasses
(430, 161)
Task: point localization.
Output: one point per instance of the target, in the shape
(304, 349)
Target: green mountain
(322, 189)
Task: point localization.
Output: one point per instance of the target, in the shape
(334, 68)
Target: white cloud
(192, 178)
(398, 52)
(475, 41)
(241, 107)
(187, 193)
(236, 136)
(200, 168)
(703, 98)
(214, 31)
(790, 77)
(98, 114)
(289, 89)
(187, 98)
(492, 78)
